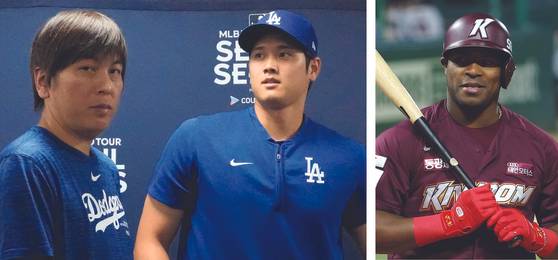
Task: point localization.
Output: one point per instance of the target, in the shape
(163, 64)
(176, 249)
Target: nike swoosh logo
(234, 164)
(95, 178)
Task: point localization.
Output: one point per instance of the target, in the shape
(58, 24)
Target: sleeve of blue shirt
(355, 212)
(26, 220)
(173, 180)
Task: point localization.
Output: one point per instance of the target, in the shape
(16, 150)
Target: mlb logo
(253, 18)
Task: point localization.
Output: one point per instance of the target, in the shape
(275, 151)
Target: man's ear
(444, 62)
(314, 68)
(42, 84)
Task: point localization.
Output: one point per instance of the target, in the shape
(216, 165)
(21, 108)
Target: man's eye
(460, 60)
(256, 55)
(285, 54)
(489, 63)
(87, 68)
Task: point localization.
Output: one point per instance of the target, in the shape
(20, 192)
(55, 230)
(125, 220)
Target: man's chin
(474, 106)
(472, 102)
(91, 132)
(272, 103)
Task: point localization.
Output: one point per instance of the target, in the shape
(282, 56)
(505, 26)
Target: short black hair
(70, 36)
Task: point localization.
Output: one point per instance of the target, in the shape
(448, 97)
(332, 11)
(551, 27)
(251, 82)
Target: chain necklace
(499, 111)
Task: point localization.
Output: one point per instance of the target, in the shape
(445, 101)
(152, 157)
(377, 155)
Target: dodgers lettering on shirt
(98, 209)
(59, 202)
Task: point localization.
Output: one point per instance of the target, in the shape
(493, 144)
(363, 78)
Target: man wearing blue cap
(286, 194)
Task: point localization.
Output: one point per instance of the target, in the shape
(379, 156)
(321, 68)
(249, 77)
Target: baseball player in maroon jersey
(422, 211)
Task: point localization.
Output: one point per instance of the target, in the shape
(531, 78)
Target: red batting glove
(472, 208)
(509, 223)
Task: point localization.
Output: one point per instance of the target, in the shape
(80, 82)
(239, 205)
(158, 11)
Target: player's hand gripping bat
(397, 93)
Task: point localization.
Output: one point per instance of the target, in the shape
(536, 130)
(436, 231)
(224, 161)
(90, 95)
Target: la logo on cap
(273, 19)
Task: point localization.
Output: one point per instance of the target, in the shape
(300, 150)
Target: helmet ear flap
(507, 73)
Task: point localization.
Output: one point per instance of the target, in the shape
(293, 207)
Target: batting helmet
(485, 31)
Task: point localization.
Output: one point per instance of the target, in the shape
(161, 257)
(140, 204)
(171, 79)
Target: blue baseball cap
(293, 25)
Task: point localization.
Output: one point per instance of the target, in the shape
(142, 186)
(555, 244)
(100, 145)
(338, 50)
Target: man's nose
(106, 83)
(473, 70)
(270, 65)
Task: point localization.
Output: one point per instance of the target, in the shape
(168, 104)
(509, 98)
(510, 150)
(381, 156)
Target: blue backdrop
(184, 61)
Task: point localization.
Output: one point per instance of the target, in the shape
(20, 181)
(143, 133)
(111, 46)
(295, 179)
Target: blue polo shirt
(56, 201)
(250, 197)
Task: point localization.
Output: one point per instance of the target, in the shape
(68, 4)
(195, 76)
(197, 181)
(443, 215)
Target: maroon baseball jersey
(520, 165)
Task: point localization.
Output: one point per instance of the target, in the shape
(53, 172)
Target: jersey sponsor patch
(441, 196)
(519, 168)
(380, 161)
(432, 164)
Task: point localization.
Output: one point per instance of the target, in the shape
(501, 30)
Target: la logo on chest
(313, 171)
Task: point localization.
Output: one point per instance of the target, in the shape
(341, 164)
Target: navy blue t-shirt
(250, 197)
(56, 201)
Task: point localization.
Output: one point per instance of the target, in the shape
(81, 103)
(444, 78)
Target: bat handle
(515, 241)
(431, 138)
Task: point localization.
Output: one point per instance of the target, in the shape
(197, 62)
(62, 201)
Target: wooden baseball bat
(398, 94)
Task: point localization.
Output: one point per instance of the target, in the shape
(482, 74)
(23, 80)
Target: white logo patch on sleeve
(380, 161)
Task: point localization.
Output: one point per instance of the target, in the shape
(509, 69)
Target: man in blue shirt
(262, 183)
(59, 197)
